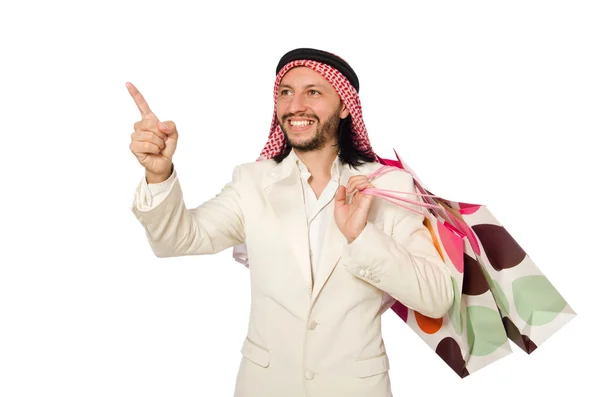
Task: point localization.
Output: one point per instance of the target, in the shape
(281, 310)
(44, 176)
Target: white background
(489, 102)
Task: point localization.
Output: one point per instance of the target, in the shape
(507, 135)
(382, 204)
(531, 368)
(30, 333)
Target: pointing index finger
(140, 102)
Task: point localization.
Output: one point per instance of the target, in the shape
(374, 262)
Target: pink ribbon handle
(392, 195)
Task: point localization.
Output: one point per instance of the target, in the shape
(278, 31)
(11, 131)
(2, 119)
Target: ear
(344, 112)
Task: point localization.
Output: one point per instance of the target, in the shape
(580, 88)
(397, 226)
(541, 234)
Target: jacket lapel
(285, 194)
(334, 240)
(332, 251)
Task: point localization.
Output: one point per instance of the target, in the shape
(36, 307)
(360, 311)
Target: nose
(297, 104)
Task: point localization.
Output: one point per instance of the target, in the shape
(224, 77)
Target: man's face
(308, 109)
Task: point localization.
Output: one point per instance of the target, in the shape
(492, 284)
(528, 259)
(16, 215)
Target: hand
(351, 218)
(153, 143)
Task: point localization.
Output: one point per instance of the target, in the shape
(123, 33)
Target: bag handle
(391, 195)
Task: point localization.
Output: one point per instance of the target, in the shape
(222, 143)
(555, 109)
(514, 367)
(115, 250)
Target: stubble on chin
(319, 138)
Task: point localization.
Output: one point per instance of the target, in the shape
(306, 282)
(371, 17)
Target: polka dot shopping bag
(500, 294)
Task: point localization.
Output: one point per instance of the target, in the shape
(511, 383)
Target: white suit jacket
(326, 340)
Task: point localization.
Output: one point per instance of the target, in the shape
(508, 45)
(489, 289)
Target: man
(322, 255)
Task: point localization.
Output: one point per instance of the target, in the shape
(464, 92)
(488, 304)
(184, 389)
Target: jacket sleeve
(174, 230)
(400, 258)
(150, 195)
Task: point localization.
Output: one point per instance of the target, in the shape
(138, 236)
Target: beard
(324, 132)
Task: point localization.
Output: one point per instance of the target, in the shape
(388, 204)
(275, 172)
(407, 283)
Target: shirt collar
(336, 167)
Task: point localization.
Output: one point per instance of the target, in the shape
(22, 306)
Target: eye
(285, 91)
(313, 92)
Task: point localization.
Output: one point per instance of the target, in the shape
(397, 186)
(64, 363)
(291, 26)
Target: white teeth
(303, 123)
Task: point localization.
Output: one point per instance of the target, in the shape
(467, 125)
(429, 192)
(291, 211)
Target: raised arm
(174, 230)
(171, 228)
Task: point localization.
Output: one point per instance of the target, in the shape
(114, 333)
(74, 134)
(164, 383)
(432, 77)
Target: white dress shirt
(319, 212)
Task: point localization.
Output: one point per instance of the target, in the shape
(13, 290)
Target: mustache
(305, 115)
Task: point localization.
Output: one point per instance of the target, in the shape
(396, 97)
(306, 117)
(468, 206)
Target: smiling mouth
(300, 123)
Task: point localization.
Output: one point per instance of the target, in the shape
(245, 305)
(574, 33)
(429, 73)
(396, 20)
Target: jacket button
(312, 325)
(362, 272)
(309, 375)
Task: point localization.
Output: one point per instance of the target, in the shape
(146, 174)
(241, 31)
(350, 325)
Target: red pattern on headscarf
(345, 90)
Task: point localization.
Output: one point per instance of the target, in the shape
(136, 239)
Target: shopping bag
(530, 307)
(471, 335)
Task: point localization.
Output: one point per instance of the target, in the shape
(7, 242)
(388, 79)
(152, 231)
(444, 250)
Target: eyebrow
(305, 87)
